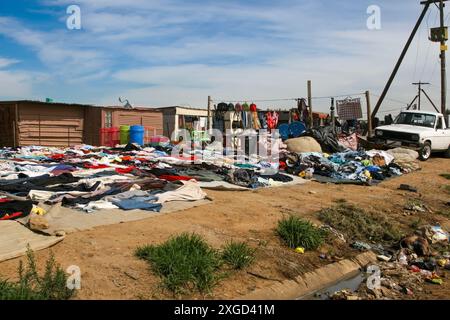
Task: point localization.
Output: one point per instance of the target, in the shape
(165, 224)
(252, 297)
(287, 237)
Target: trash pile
(421, 258)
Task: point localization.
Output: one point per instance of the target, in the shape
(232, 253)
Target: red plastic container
(109, 137)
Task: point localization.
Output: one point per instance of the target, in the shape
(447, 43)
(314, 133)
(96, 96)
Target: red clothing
(125, 171)
(100, 166)
(11, 216)
(175, 178)
(57, 157)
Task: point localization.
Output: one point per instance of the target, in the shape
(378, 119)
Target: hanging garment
(244, 119)
(272, 119)
(256, 123)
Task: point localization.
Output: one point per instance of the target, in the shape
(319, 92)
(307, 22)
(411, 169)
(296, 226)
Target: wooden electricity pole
(369, 115)
(419, 94)
(209, 122)
(443, 59)
(443, 40)
(311, 116)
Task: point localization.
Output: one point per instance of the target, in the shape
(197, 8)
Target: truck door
(442, 135)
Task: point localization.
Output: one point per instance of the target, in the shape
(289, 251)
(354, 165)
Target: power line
(429, 45)
(287, 99)
(389, 99)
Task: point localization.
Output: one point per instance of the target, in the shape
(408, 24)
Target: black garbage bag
(327, 138)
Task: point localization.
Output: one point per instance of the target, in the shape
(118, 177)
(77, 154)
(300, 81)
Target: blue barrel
(284, 131)
(296, 129)
(137, 135)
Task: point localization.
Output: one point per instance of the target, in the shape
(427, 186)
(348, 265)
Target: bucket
(124, 134)
(114, 137)
(137, 135)
(104, 137)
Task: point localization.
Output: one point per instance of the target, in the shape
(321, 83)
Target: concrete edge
(311, 282)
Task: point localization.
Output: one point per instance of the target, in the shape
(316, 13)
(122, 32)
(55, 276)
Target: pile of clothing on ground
(128, 178)
(304, 157)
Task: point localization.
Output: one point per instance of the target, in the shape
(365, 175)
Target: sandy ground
(110, 271)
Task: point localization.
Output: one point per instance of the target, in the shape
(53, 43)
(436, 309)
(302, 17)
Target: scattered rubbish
(436, 281)
(442, 262)
(439, 235)
(406, 187)
(384, 258)
(416, 207)
(418, 244)
(300, 250)
(344, 295)
(362, 246)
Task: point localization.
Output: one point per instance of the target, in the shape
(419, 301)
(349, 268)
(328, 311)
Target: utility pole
(333, 114)
(441, 37)
(419, 94)
(311, 116)
(369, 115)
(209, 122)
(443, 59)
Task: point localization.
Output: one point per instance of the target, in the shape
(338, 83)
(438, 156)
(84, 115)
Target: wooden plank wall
(139, 117)
(7, 125)
(50, 125)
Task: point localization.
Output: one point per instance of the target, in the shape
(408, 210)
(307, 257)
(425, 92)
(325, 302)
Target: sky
(173, 52)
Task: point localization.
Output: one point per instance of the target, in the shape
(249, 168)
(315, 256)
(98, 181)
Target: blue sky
(173, 52)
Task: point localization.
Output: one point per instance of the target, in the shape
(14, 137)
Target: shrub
(300, 233)
(31, 286)
(183, 262)
(238, 255)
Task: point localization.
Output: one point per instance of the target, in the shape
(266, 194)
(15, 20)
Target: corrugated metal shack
(24, 123)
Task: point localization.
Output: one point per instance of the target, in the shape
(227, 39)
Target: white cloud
(5, 62)
(172, 52)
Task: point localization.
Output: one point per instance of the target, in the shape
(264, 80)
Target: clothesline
(286, 99)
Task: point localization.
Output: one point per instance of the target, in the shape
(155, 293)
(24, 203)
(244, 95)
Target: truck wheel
(425, 152)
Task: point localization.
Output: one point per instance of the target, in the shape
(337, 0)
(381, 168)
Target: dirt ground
(110, 270)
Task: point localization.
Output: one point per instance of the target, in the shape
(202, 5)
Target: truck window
(440, 124)
(416, 119)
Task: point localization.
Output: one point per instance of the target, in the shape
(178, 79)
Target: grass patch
(52, 285)
(446, 176)
(446, 188)
(416, 224)
(358, 224)
(185, 262)
(300, 233)
(445, 213)
(238, 255)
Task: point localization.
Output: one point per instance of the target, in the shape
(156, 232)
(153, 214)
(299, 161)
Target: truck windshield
(416, 119)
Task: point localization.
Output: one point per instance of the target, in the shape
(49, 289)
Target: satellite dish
(126, 103)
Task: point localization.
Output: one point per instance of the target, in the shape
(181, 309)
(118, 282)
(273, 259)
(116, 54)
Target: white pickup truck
(423, 131)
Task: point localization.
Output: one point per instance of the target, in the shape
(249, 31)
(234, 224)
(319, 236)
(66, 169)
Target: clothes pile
(358, 167)
(130, 177)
